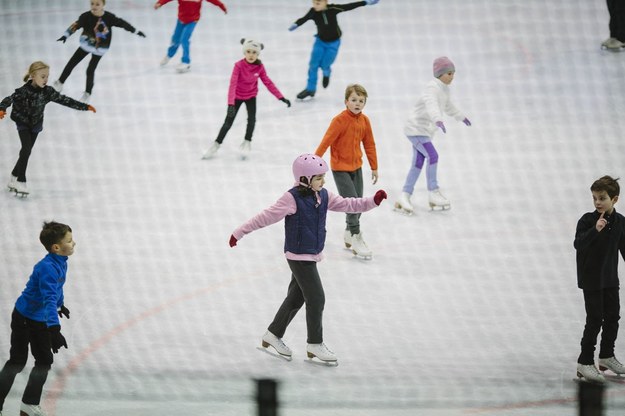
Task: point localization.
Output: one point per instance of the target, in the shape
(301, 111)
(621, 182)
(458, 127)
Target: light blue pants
(422, 150)
(323, 56)
(182, 36)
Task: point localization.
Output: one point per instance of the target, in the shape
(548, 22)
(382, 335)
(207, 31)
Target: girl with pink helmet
(304, 208)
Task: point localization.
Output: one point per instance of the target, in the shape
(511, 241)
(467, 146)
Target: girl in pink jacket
(244, 89)
(304, 208)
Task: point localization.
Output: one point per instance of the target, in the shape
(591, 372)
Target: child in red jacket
(188, 16)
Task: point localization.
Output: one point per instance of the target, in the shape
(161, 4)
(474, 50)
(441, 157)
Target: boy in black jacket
(599, 236)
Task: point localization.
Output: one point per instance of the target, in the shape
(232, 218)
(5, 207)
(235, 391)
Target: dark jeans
(25, 331)
(602, 312)
(78, 56)
(350, 185)
(305, 287)
(250, 105)
(28, 136)
(616, 8)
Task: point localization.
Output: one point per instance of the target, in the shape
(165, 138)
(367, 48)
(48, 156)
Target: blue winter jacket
(305, 231)
(44, 291)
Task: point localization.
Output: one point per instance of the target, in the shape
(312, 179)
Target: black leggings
(27, 137)
(250, 104)
(78, 56)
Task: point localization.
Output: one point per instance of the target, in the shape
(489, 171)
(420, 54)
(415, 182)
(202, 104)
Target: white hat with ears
(252, 44)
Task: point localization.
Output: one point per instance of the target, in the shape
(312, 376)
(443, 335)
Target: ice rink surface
(474, 310)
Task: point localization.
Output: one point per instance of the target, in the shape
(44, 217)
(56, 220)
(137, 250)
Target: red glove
(233, 241)
(379, 196)
(91, 108)
(2, 113)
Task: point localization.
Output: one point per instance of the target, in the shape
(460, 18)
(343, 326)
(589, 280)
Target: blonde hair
(357, 88)
(34, 67)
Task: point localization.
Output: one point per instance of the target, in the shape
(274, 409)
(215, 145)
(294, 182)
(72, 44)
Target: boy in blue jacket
(35, 321)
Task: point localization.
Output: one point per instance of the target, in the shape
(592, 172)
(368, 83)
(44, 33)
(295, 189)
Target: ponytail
(34, 67)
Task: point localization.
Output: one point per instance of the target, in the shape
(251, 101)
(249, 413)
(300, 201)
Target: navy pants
(602, 314)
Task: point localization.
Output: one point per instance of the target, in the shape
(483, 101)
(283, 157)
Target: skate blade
(402, 211)
(20, 194)
(318, 361)
(362, 256)
(581, 378)
(434, 207)
(274, 353)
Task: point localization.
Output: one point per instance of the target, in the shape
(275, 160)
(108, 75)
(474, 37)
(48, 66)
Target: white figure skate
(11, 185)
(57, 85)
(182, 68)
(403, 204)
(165, 60)
(613, 45)
(438, 200)
(589, 373)
(347, 239)
(322, 353)
(359, 247)
(212, 151)
(282, 350)
(85, 97)
(611, 364)
(245, 149)
(20, 189)
(31, 410)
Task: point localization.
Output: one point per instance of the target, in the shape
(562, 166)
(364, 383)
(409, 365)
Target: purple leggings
(422, 149)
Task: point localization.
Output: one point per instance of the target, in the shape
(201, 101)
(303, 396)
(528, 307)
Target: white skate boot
(245, 149)
(438, 201)
(85, 97)
(359, 247)
(165, 60)
(212, 151)
(182, 68)
(322, 353)
(57, 85)
(11, 185)
(589, 373)
(403, 204)
(611, 364)
(21, 189)
(347, 238)
(31, 410)
(612, 44)
(277, 344)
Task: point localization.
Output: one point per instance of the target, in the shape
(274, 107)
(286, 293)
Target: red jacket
(189, 10)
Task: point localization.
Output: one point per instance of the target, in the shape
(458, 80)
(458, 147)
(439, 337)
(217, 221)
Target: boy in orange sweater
(344, 136)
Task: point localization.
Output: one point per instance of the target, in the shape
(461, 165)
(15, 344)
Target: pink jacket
(244, 82)
(286, 206)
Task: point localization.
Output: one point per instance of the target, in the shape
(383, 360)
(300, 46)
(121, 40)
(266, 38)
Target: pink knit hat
(442, 66)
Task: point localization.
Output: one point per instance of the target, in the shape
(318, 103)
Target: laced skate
(31, 410)
(359, 247)
(278, 345)
(165, 60)
(21, 189)
(612, 44)
(245, 149)
(182, 68)
(438, 201)
(305, 94)
(611, 364)
(212, 151)
(321, 352)
(11, 185)
(589, 373)
(347, 239)
(85, 97)
(57, 85)
(403, 204)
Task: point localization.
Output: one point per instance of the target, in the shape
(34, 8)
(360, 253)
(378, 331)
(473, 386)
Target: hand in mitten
(57, 340)
(233, 241)
(62, 39)
(140, 33)
(285, 101)
(2, 113)
(466, 121)
(231, 111)
(441, 126)
(62, 310)
(379, 197)
(91, 108)
(293, 27)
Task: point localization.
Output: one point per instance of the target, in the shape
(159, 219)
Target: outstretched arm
(280, 209)
(219, 4)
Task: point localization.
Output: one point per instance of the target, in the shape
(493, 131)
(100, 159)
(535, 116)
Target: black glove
(285, 101)
(231, 111)
(140, 33)
(62, 39)
(63, 311)
(57, 340)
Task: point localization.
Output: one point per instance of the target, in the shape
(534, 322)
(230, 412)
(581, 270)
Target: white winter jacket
(430, 108)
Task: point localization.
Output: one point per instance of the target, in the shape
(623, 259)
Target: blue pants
(422, 149)
(182, 36)
(323, 56)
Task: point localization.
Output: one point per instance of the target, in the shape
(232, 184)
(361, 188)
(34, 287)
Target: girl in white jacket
(425, 119)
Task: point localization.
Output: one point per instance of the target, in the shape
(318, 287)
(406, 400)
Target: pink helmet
(308, 165)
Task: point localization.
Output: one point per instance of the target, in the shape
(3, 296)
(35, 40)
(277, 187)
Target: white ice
(470, 311)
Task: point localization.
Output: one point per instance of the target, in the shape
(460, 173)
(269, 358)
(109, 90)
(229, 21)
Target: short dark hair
(53, 233)
(608, 184)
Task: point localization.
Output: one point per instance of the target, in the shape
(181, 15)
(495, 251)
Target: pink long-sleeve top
(244, 81)
(286, 206)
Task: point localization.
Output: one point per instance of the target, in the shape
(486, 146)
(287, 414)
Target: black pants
(25, 331)
(350, 185)
(78, 56)
(602, 313)
(28, 136)
(305, 287)
(616, 8)
(250, 105)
